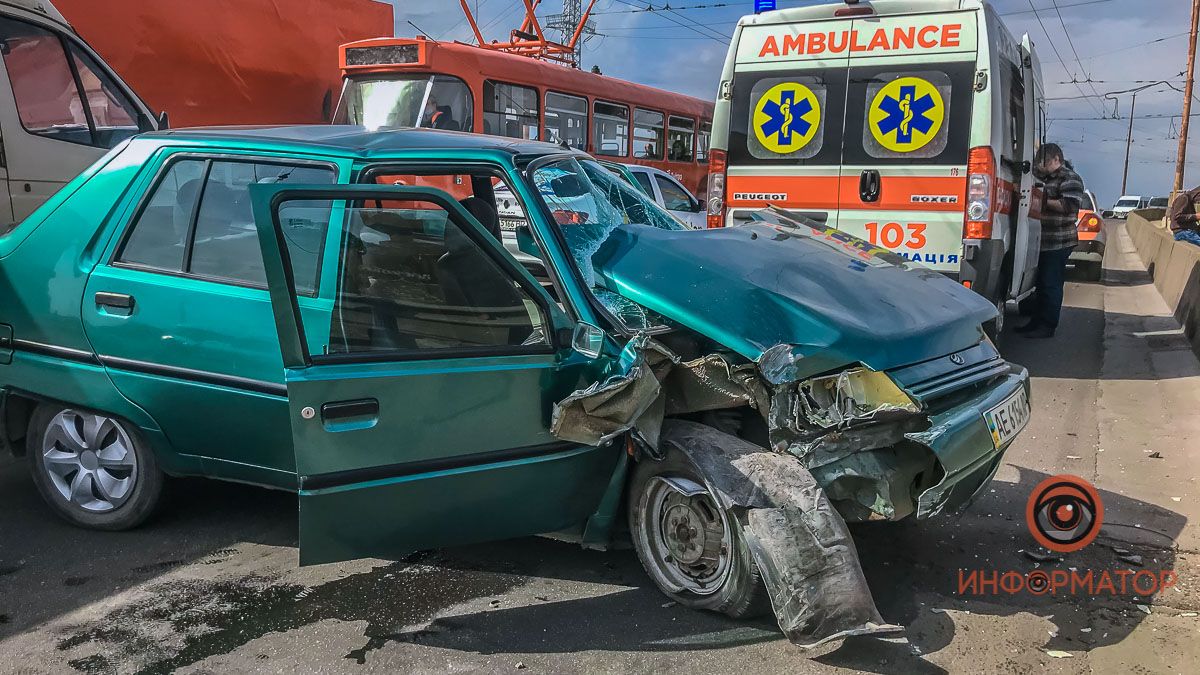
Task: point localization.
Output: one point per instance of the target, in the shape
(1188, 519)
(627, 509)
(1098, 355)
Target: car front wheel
(92, 469)
(692, 549)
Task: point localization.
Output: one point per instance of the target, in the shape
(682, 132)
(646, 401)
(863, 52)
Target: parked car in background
(1159, 203)
(1088, 255)
(290, 307)
(669, 193)
(1128, 203)
(63, 109)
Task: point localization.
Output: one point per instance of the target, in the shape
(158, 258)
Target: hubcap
(89, 460)
(687, 537)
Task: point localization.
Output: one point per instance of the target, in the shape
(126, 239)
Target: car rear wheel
(692, 549)
(91, 468)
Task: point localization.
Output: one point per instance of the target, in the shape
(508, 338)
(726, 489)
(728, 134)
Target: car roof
(353, 141)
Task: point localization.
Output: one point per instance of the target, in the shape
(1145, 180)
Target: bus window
(647, 134)
(702, 141)
(510, 110)
(610, 129)
(681, 132)
(432, 101)
(566, 120)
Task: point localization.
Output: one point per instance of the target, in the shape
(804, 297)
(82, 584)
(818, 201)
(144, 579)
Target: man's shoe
(1040, 333)
(1028, 328)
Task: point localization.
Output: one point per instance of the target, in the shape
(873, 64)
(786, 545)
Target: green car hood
(798, 300)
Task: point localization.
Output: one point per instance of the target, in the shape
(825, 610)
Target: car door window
(675, 198)
(414, 280)
(48, 101)
(46, 71)
(225, 244)
(643, 180)
(198, 221)
(114, 116)
(159, 236)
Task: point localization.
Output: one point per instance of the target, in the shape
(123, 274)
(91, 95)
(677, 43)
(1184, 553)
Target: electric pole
(1181, 157)
(1128, 144)
(568, 23)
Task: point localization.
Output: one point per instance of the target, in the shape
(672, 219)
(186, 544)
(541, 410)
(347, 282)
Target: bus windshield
(432, 101)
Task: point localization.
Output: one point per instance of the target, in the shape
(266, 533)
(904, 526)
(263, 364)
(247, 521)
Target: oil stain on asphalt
(182, 622)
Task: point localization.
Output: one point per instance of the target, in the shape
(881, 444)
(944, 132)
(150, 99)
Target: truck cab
(61, 106)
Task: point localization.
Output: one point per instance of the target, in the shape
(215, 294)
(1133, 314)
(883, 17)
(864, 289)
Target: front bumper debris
(794, 499)
(960, 439)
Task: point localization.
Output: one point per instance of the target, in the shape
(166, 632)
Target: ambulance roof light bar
(854, 9)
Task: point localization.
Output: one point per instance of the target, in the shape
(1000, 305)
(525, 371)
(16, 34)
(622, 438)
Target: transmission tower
(567, 23)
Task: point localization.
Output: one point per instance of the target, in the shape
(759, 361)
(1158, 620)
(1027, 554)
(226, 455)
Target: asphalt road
(211, 585)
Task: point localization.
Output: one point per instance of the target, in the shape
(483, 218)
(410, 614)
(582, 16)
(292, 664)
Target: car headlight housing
(853, 395)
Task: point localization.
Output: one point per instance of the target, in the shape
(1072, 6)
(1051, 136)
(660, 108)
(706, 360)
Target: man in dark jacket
(1183, 219)
(1063, 191)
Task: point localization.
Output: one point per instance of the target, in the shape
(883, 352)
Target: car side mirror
(526, 243)
(587, 339)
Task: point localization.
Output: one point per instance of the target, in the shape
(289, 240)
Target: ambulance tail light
(981, 189)
(716, 188)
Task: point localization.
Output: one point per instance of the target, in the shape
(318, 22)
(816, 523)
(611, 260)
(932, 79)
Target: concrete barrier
(1174, 266)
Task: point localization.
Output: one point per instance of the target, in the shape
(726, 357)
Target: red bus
(410, 82)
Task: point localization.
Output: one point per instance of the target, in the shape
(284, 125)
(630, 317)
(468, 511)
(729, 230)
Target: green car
(332, 311)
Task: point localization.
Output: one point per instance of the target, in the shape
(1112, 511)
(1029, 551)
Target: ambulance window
(702, 141)
(647, 134)
(907, 114)
(786, 118)
(610, 129)
(898, 117)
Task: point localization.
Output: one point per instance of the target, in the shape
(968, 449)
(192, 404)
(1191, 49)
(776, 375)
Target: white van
(909, 123)
(1128, 203)
(61, 106)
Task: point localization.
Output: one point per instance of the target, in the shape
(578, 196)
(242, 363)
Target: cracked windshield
(589, 204)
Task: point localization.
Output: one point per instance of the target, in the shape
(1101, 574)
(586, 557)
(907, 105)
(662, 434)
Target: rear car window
(788, 118)
(899, 116)
(198, 221)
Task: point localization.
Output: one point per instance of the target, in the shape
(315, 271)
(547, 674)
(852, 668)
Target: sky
(1113, 46)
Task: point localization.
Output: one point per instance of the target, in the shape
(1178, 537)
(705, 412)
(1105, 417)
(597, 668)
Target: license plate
(1007, 420)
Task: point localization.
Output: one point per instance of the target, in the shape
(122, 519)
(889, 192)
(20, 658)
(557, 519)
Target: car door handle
(114, 300)
(367, 407)
(869, 185)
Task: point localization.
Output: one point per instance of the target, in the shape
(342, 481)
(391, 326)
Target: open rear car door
(420, 410)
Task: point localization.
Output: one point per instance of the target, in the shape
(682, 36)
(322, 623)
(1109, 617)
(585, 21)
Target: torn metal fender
(648, 383)
(801, 545)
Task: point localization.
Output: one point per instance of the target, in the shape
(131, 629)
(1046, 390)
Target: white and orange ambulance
(909, 123)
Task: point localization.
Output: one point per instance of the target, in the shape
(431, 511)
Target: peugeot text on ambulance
(908, 123)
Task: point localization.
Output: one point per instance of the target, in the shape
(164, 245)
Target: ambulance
(911, 124)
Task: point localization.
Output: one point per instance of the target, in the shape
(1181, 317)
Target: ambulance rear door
(786, 119)
(907, 134)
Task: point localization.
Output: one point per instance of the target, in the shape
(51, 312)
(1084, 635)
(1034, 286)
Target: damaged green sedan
(335, 311)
